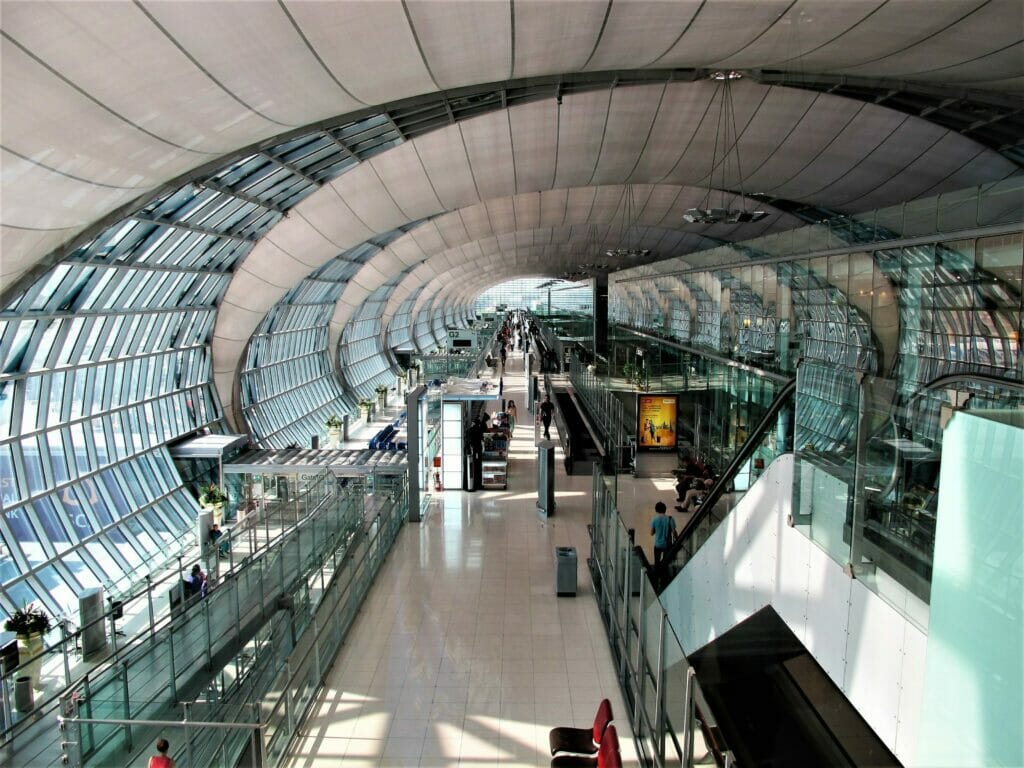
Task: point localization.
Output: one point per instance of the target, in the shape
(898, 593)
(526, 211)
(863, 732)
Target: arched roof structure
(237, 168)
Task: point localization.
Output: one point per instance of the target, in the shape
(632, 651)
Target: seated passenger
(223, 547)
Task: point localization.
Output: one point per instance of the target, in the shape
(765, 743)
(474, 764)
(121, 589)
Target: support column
(601, 314)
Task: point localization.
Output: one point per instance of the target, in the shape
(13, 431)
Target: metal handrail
(705, 510)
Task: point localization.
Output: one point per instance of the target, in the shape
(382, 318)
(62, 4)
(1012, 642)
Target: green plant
(27, 620)
(212, 494)
(367, 404)
(381, 389)
(333, 422)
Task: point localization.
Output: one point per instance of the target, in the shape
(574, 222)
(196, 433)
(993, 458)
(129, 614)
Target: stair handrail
(704, 511)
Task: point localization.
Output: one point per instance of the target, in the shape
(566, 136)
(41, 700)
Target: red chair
(582, 741)
(608, 755)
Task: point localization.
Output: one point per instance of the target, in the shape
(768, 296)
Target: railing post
(127, 705)
(188, 735)
(152, 612)
(688, 717)
(170, 657)
(209, 635)
(259, 756)
(659, 696)
(64, 653)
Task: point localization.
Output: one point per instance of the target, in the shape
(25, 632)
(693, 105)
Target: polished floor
(462, 654)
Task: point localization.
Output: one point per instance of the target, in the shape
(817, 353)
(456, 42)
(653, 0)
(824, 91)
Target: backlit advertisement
(656, 422)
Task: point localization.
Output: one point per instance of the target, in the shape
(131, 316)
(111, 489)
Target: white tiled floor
(462, 654)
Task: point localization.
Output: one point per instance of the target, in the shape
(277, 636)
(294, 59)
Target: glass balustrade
(658, 683)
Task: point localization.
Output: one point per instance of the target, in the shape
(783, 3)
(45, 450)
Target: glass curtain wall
(870, 332)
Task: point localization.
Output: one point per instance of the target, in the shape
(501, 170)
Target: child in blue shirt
(663, 529)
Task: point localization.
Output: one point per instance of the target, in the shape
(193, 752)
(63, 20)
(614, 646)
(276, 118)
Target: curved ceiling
(106, 103)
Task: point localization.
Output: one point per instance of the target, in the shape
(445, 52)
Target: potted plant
(212, 496)
(29, 623)
(382, 396)
(334, 425)
(366, 406)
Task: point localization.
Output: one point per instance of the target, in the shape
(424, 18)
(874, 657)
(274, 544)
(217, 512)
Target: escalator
(755, 451)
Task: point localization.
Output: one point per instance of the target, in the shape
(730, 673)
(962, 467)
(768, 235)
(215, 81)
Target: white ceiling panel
(630, 119)
(980, 72)
(527, 210)
(464, 42)
(580, 135)
(18, 246)
(805, 27)
(809, 137)
(579, 204)
(502, 214)
(555, 36)
(332, 219)
(553, 207)
(443, 155)
(451, 228)
(408, 250)
(402, 173)
(641, 32)
(534, 128)
(489, 147)
(863, 140)
(302, 240)
(289, 87)
(37, 198)
(722, 29)
(132, 70)
(478, 226)
(679, 117)
(59, 127)
(368, 198)
(367, 45)
(890, 29)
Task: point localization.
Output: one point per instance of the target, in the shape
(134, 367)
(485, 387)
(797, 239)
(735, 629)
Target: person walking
(547, 409)
(663, 529)
(161, 760)
(510, 411)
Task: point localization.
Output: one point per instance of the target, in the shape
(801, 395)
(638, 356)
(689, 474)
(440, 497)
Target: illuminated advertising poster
(656, 422)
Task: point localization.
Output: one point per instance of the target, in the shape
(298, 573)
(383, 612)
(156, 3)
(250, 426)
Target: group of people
(693, 482)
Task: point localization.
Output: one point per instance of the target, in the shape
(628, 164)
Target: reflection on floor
(462, 654)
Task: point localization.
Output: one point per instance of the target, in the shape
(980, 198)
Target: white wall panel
(350, 37)
(874, 659)
(880, 668)
(828, 611)
(911, 684)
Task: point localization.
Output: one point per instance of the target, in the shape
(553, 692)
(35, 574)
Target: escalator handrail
(753, 440)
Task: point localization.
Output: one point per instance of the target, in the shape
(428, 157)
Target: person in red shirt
(161, 760)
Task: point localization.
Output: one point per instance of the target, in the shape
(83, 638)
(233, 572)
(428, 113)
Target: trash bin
(565, 571)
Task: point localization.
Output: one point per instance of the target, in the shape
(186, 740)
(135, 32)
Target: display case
(494, 461)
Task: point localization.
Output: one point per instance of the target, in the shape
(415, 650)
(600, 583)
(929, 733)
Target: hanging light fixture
(726, 123)
(630, 216)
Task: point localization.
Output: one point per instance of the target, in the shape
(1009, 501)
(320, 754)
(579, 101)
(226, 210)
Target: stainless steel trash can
(565, 571)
